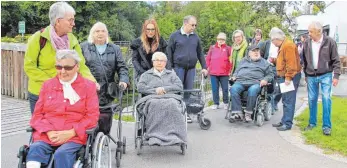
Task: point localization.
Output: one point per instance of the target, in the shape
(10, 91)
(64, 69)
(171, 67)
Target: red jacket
(217, 60)
(54, 113)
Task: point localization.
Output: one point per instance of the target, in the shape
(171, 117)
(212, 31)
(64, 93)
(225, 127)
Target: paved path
(225, 145)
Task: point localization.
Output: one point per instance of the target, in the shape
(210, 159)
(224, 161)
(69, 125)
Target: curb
(295, 137)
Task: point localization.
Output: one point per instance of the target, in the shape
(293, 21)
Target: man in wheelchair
(67, 106)
(252, 73)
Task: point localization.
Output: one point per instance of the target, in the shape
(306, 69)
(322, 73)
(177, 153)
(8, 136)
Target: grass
(337, 142)
(127, 118)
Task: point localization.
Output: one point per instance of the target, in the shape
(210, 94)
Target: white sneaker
(214, 107)
(225, 106)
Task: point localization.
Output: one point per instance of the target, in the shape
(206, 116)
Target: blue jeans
(236, 93)
(223, 81)
(64, 156)
(289, 100)
(187, 77)
(325, 82)
(32, 101)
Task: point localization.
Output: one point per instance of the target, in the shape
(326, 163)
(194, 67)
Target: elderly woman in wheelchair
(67, 106)
(161, 111)
(252, 74)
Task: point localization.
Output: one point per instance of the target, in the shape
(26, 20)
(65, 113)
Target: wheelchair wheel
(260, 119)
(118, 157)
(183, 148)
(104, 153)
(124, 144)
(205, 125)
(138, 146)
(268, 112)
(23, 151)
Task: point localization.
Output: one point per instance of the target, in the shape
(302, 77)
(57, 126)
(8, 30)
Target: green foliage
(337, 142)
(126, 118)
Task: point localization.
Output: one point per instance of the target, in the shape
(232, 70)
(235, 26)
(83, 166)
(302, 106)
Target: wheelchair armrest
(191, 91)
(109, 106)
(30, 129)
(91, 130)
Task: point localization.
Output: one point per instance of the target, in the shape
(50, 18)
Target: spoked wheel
(95, 149)
(268, 112)
(104, 153)
(139, 146)
(260, 119)
(124, 144)
(204, 124)
(183, 148)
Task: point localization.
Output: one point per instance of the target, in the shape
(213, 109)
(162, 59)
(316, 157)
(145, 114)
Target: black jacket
(328, 60)
(184, 52)
(138, 53)
(112, 64)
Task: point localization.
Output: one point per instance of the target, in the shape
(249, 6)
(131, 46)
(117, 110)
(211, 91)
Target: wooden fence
(14, 81)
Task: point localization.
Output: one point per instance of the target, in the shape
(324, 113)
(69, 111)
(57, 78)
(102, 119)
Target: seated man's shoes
(283, 128)
(277, 124)
(248, 117)
(309, 127)
(327, 131)
(189, 120)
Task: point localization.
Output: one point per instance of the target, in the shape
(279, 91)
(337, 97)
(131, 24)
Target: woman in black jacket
(143, 47)
(104, 60)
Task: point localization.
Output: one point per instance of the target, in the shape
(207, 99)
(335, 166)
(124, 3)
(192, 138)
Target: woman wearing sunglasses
(66, 108)
(42, 47)
(143, 47)
(104, 60)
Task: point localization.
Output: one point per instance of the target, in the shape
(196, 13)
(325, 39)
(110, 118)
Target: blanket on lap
(164, 119)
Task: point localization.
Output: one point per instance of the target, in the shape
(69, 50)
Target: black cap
(253, 47)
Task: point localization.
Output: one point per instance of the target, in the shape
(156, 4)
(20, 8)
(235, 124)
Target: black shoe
(309, 127)
(327, 131)
(277, 125)
(283, 128)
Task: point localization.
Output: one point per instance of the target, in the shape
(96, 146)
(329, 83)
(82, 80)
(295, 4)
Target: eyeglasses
(220, 39)
(150, 30)
(160, 61)
(71, 20)
(66, 68)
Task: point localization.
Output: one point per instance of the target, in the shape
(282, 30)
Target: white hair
(316, 25)
(158, 55)
(239, 31)
(187, 18)
(92, 30)
(277, 34)
(58, 10)
(64, 54)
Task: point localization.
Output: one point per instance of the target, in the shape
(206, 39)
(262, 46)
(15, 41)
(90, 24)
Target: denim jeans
(289, 100)
(236, 93)
(223, 81)
(325, 82)
(32, 101)
(64, 156)
(187, 77)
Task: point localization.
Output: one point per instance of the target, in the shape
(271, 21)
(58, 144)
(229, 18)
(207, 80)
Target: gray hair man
(184, 50)
(252, 73)
(322, 68)
(289, 72)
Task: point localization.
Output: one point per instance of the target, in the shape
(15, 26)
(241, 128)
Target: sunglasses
(67, 68)
(150, 30)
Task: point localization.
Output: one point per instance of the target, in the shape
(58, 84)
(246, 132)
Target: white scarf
(69, 92)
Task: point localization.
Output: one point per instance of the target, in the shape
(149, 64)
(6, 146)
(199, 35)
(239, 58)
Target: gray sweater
(251, 72)
(149, 81)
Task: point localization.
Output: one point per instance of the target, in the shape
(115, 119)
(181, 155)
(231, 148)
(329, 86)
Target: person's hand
(204, 71)
(51, 135)
(97, 86)
(63, 136)
(123, 85)
(160, 91)
(233, 78)
(335, 82)
(287, 82)
(263, 83)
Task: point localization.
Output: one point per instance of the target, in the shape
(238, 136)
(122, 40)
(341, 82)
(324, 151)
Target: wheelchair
(97, 151)
(263, 108)
(140, 128)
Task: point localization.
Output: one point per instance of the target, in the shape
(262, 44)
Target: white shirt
(273, 51)
(157, 72)
(315, 51)
(183, 32)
